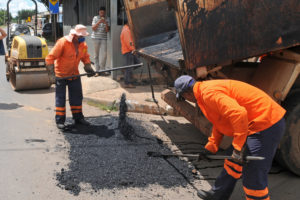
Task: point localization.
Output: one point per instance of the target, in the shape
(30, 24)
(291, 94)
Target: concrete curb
(134, 106)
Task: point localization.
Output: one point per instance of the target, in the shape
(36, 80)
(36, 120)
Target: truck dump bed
(214, 32)
(154, 30)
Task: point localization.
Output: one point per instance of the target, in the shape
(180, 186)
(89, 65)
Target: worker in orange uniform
(254, 120)
(2, 36)
(63, 61)
(128, 50)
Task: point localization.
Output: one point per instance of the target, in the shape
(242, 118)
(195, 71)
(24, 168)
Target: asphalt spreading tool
(199, 156)
(103, 71)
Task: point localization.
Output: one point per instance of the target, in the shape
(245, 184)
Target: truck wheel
(289, 149)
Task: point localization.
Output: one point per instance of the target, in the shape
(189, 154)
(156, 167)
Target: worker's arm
(107, 27)
(3, 34)
(95, 23)
(214, 141)
(128, 40)
(86, 56)
(55, 53)
(236, 114)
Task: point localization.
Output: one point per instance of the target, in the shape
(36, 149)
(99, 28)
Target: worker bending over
(254, 120)
(64, 59)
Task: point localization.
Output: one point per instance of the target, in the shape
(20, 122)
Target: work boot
(82, 121)
(206, 195)
(61, 126)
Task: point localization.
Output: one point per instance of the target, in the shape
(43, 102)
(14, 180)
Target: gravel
(102, 157)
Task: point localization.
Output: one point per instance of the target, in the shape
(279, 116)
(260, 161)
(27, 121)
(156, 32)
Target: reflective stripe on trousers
(254, 173)
(75, 99)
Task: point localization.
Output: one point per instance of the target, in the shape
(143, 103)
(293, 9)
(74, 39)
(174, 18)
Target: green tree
(24, 14)
(3, 17)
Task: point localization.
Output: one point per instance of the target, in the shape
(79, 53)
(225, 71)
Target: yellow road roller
(25, 59)
(25, 65)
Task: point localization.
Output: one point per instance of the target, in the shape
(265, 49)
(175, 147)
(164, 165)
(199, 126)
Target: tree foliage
(24, 14)
(3, 16)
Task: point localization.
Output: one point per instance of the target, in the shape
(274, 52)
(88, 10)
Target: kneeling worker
(63, 60)
(251, 117)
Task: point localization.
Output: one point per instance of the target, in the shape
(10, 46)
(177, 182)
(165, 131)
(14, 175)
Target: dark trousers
(75, 99)
(254, 173)
(2, 49)
(130, 60)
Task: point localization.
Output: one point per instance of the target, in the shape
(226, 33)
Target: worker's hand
(180, 98)
(88, 69)
(239, 156)
(51, 73)
(203, 155)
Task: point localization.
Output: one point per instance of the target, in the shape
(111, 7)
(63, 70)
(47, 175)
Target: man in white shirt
(100, 26)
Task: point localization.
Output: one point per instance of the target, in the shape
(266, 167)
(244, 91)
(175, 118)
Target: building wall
(83, 11)
(87, 10)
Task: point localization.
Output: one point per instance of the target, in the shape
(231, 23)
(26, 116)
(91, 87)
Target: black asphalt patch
(97, 130)
(34, 140)
(114, 162)
(11, 106)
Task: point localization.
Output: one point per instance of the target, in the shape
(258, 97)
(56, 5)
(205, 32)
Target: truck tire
(289, 149)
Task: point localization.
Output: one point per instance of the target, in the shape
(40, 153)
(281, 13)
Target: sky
(16, 5)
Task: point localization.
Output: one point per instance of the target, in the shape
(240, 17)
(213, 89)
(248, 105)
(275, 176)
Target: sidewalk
(105, 91)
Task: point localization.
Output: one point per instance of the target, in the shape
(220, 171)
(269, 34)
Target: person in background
(100, 26)
(248, 115)
(2, 36)
(63, 61)
(128, 50)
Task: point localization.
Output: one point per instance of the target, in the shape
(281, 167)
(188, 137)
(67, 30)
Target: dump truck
(252, 41)
(25, 58)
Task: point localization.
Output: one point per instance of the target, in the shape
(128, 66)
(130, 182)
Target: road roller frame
(25, 59)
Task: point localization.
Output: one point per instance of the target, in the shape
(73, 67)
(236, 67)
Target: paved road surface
(39, 162)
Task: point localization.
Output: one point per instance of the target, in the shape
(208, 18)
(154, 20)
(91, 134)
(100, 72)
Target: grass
(102, 106)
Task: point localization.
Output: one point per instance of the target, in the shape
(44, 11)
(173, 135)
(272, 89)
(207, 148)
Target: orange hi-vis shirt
(126, 40)
(63, 56)
(236, 109)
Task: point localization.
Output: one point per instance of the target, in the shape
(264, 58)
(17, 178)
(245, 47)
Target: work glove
(51, 73)
(88, 69)
(239, 156)
(203, 155)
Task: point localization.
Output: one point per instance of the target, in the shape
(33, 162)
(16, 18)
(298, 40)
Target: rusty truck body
(225, 39)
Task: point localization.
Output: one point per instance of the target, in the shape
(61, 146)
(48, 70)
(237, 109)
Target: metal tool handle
(213, 157)
(102, 71)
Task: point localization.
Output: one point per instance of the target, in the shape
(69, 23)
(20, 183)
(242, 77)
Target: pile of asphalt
(125, 128)
(103, 158)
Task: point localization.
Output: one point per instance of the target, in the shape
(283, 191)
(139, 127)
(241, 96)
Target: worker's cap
(182, 84)
(79, 30)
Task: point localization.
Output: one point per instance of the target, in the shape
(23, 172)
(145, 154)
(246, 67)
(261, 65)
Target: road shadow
(11, 106)
(102, 158)
(189, 140)
(38, 91)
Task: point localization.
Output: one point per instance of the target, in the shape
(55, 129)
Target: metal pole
(151, 84)
(55, 24)
(8, 20)
(35, 20)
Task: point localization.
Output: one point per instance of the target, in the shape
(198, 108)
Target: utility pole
(54, 24)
